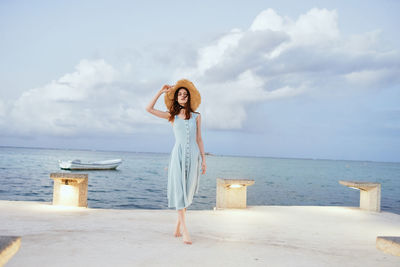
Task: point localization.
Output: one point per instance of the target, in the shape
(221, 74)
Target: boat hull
(99, 165)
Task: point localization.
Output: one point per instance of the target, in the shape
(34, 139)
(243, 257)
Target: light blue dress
(184, 164)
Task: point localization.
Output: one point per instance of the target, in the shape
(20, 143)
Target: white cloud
(269, 20)
(213, 54)
(276, 57)
(372, 78)
(280, 57)
(317, 25)
(230, 99)
(94, 99)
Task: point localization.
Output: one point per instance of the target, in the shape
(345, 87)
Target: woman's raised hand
(165, 88)
(150, 107)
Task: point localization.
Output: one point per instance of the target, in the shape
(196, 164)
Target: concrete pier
(256, 236)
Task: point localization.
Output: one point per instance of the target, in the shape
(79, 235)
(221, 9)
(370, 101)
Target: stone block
(389, 244)
(9, 245)
(232, 193)
(370, 194)
(70, 189)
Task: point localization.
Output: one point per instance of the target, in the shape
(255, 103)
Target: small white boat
(77, 164)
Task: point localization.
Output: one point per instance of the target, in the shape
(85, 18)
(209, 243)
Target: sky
(292, 79)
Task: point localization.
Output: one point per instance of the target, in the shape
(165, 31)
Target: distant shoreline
(207, 153)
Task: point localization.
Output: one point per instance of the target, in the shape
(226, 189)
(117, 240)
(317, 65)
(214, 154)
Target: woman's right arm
(150, 107)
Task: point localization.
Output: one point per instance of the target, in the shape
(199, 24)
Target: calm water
(140, 182)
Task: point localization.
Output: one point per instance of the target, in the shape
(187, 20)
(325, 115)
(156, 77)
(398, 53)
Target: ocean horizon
(140, 182)
(211, 154)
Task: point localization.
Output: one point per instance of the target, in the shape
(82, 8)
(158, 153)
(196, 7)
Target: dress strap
(194, 115)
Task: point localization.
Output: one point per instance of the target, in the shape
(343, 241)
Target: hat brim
(195, 98)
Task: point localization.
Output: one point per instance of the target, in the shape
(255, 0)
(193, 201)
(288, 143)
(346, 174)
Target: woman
(182, 100)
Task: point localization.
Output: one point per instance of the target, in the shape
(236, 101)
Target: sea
(140, 182)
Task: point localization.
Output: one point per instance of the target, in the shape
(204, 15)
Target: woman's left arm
(201, 145)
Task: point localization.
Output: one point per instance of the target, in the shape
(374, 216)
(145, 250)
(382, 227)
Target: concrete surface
(256, 236)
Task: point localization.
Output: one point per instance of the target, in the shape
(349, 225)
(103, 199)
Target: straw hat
(195, 98)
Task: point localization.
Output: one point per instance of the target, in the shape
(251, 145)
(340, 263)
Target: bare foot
(186, 238)
(178, 229)
(187, 242)
(177, 234)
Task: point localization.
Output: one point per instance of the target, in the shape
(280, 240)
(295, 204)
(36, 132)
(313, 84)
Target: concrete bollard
(232, 193)
(70, 189)
(370, 194)
(9, 245)
(389, 244)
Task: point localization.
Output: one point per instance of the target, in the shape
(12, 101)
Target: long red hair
(176, 108)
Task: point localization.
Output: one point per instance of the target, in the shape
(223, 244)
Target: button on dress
(184, 164)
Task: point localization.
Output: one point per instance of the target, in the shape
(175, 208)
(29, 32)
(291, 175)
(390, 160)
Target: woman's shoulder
(195, 115)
